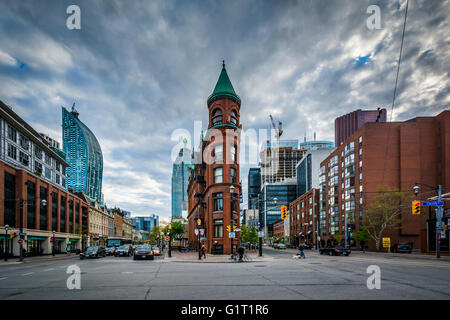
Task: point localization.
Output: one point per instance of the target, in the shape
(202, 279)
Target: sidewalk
(210, 258)
(15, 260)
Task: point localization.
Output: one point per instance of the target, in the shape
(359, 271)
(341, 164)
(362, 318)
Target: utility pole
(438, 223)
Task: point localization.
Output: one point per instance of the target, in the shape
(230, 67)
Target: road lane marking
(27, 274)
(127, 272)
(49, 269)
(3, 278)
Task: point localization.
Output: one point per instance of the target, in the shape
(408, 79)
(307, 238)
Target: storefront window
(42, 209)
(62, 214)
(9, 199)
(218, 228)
(31, 205)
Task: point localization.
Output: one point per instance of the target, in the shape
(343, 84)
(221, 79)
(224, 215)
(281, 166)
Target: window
(298, 207)
(63, 170)
(233, 117)
(217, 120)
(310, 200)
(8, 199)
(42, 209)
(48, 160)
(218, 201)
(216, 112)
(38, 153)
(218, 228)
(218, 173)
(24, 142)
(57, 178)
(31, 205)
(12, 133)
(310, 211)
(38, 167)
(217, 116)
(232, 175)
(23, 158)
(58, 166)
(63, 182)
(12, 151)
(48, 173)
(232, 154)
(218, 153)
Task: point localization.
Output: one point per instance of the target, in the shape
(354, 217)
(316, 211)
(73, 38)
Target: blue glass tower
(84, 155)
(180, 180)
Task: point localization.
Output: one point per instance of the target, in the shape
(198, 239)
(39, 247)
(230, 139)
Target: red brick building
(32, 172)
(396, 154)
(215, 171)
(304, 218)
(278, 229)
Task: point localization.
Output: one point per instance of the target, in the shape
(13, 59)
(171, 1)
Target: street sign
(202, 239)
(196, 232)
(167, 238)
(231, 235)
(386, 242)
(237, 229)
(442, 234)
(429, 204)
(260, 234)
(20, 241)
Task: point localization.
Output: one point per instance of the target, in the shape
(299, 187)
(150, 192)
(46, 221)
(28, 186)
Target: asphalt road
(281, 277)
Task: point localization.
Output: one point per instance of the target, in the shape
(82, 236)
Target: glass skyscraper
(145, 223)
(84, 155)
(254, 187)
(180, 180)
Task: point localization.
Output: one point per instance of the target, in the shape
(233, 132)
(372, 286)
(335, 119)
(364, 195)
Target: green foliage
(384, 212)
(363, 235)
(177, 229)
(338, 236)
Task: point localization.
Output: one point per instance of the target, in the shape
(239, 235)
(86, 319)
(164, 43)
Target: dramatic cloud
(138, 70)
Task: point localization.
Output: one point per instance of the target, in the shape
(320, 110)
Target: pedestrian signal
(416, 207)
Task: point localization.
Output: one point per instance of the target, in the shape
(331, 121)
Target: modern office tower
(180, 180)
(254, 187)
(84, 155)
(315, 145)
(346, 125)
(308, 169)
(145, 223)
(214, 185)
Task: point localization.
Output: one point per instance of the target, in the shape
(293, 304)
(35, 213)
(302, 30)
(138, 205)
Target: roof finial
(223, 64)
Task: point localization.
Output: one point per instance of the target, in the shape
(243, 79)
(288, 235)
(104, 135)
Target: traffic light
(416, 207)
(228, 228)
(283, 212)
(12, 234)
(445, 227)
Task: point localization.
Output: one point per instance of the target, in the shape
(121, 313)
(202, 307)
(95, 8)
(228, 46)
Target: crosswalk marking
(3, 278)
(27, 274)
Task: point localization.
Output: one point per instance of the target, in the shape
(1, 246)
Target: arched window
(233, 117)
(216, 112)
(217, 116)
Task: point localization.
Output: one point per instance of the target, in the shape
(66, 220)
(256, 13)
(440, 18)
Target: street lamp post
(170, 244)
(199, 221)
(231, 217)
(260, 243)
(6, 242)
(438, 214)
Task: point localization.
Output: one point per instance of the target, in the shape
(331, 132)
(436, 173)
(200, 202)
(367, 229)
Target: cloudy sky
(139, 70)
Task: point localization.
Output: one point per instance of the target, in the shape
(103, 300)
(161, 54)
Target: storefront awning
(73, 240)
(36, 238)
(60, 239)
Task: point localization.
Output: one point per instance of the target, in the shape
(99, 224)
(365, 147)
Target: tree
(363, 236)
(177, 229)
(338, 237)
(245, 233)
(155, 233)
(253, 236)
(384, 212)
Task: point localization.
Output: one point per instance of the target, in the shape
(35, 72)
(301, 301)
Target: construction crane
(278, 130)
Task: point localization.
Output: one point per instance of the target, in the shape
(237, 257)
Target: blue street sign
(429, 204)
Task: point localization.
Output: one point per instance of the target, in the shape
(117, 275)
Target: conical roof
(224, 88)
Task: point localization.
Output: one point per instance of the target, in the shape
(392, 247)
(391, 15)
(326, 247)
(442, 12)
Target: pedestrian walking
(301, 251)
(68, 249)
(241, 251)
(203, 252)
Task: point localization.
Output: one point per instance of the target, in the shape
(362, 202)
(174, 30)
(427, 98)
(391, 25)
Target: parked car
(308, 246)
(143, 252)
(156, 251)
(274, 245)
(401, 248)
(335, 251)
(281, 246)
(122, 251)
(110, 251)
(93, 252)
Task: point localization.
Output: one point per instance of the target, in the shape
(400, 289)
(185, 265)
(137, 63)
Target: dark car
(401, 248)
(124, 251)
(335, 251)
(308, 246)
(93, 252)
(143, 252)
(110, 251)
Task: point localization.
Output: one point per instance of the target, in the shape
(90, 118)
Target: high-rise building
(278, 163)
(314, 145)
(308, 169)
(254, 187)
(346, 125)
(393, 154)
(180, 181)
(273, 196)
(84, 155)
(212, 203)
(145, 223)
